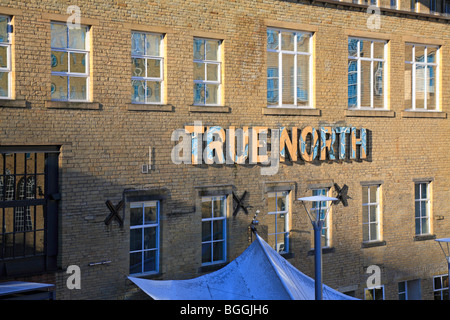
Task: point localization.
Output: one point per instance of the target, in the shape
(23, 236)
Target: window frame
(425, 64)
(286, 212)
(146, 57)
(372, 60)
(294, 76)
(427, 200)
(211, 220)
(373, 291)
(442, 289)
(206, 62)
(8, 68)
(69, 74)
(367, 225)
(156, 225)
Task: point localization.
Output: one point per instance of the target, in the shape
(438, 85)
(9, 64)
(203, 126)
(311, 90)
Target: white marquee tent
(259, 273)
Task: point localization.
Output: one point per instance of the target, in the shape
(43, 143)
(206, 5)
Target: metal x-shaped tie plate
(114, 212)
(240, 203)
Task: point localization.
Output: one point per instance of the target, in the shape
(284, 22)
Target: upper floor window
(289, 68)
(214, 229)
(422, 207)
(5, 57)
(367, 74)
(70, 62)
(147, 67)
(421, 77)
(278, 215)
(371, 212)
(207, 71)
(144, 237)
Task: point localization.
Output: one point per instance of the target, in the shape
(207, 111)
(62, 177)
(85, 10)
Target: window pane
(153, 44)
(136, 262)
(288, 78)
(272, 78)
(378, 50)
(281, 223)
(281, 202)
(219, 207)
(77, 38)
(153, 68)
(303, 42)
(206, 208)
(366, 72)
(365, 48)
(424, 190)
(271, 199)
(206, 252)
(303, 80)
(212, 72)
(373, 231)
(138, 91)
(153, 91)
(365, 194)
(150, 261)
(59, 87)
(59, 61)
(199, 71)
(78, 62)
(136, 216)
(135, 239)
(417, 190)
(206, 231)
(373, 213)
(78, 88)
(199, 93)
(212, 49)
(218, 251)
(199, 49)
(4, 35)
(3, 57)
(425, 229)
(59, 35)
(150, 215)
(378, 85)
(212, 94)
(137, 67)
(408, 85)
(420, 87)
(417, 226)
(287, 40)
(431, 87)
(365, 210)
(420, 53)
(373, 194)
(423, 208)
(353, 47)
(218, 228)
(272, 39)
(4, 84)
(352, 83)
(150, 238)
(137, 43)
(431, 54)
(417, 209)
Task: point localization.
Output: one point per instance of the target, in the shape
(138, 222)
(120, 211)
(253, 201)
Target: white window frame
(295, 52)
(425, 65)
(284, 234)
(442, 289)
(373, 291)
(327, 209)
(146, 79)
(372, 60)
(8, 68)
(143, 204)
(224, 231)
(427, 200)
(214, 82)
(70, 74)
(370, 204)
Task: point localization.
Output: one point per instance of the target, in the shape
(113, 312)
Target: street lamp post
(447, 258)
(317, 224)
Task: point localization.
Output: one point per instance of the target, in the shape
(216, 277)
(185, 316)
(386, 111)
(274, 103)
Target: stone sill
(72, 105)
(369, 113)
(290, 112)
(210, 109)
(326, 250)
(373, 244)
(424, 114)
(150, 107)
(8, 103)
(424, 237)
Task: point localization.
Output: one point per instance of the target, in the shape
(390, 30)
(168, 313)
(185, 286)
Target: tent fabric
(259, 273)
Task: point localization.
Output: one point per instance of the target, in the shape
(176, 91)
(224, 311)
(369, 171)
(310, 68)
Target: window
(214, 230)
(432, 6)
(207, 71)
(5, 57)
(422, 207)
(70, 63)
(421, 77)
(144, 237)
(371, 213)
(28, 212)
(409, 290)
(394, 4)
(324, 207)
(147, 72)
(440, 287)
(367, 74)
(289, 68)
(374, 293)
(278, 215)
(413, 5)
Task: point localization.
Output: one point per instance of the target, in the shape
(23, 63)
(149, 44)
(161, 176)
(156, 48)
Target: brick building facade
(300, 65)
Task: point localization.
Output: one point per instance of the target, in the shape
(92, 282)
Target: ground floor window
(440, 287)
(144, 237)
(376, 293)
(214, 229)
(278, 215)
